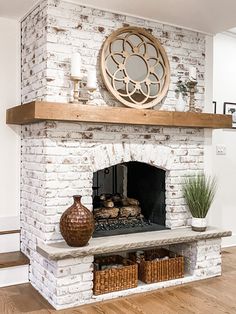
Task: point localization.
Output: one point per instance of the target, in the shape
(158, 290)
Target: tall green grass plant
(199, 192)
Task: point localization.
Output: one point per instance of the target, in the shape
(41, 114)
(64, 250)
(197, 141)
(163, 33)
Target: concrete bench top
(125, 242)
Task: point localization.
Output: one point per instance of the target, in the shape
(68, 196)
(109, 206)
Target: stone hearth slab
(112, 244)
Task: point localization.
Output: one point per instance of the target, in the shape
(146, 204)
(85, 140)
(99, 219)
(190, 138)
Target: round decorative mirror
(135, 67)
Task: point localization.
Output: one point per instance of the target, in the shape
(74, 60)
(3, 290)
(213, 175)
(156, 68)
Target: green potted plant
(199, 192)
(182, 87)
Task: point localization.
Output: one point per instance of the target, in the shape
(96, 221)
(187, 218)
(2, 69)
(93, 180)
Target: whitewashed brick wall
(202, 258)
(63, 283)
(34, 54)
(57, 28)
(59, 159)
(69, 282)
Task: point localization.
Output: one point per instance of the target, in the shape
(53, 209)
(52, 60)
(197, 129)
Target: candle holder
(91, 96)
(192, 89)
(77, 85)
(77, 77)
(77, 98)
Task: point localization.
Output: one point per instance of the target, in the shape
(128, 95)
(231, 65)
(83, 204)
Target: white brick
(87, 276)
(81, 268)
(65, 281)
(81, 287)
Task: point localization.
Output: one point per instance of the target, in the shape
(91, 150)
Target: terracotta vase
(77, 224)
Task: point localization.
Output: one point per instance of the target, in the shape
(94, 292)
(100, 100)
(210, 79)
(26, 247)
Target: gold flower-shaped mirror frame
(135, 67)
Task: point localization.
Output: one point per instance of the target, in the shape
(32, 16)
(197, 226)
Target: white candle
(192, 74)
(91, 79)
(76, 65)
(234, 116)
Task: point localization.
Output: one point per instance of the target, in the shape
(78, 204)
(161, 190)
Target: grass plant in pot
(199, 192)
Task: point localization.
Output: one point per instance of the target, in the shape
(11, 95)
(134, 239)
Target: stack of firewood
(116, 206)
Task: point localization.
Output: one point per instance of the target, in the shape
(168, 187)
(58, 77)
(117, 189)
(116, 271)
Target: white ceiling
(15, 9)
(209, 16)
(232, 30)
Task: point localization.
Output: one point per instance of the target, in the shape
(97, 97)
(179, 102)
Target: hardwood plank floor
(3, 232)
(216, 295)
(13, 259)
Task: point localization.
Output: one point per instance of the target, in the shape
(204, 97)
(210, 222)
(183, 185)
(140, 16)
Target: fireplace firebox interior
(128, 198)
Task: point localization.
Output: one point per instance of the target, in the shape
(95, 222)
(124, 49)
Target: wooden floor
(13, 259)
(216, 295)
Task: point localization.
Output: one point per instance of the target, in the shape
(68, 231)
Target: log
(108, 204)
(106, 213)
(130, 201)
(130, 211)
(117, 198)
(103, 197)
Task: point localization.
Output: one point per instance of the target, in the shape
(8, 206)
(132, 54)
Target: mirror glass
(136, 68)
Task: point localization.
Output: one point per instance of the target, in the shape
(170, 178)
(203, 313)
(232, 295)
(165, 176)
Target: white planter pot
(180, 104)
(199, 224)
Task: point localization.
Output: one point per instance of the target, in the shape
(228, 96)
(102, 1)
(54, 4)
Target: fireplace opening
(128, 198)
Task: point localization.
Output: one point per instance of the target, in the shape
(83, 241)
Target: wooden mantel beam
(42, 111)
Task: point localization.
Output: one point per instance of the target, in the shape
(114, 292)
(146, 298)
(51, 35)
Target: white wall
(223, 212)
(9, 136)
(209, 73)
(208, 102)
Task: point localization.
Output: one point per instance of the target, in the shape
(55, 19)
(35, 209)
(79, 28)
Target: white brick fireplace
(60, 158)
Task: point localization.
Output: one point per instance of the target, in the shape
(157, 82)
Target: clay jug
(77, 224)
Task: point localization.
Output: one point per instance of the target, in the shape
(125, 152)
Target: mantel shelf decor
(135, 67)
(43, 111)
(77, 77)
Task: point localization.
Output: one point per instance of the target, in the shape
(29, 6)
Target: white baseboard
(9, 242)
(14, 275)
(9, 223)
(229, 241)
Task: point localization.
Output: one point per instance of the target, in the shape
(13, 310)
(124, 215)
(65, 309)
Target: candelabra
(77, 97)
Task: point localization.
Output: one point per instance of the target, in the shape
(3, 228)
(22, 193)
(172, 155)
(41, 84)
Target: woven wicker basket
(110, 280)
(151, 271)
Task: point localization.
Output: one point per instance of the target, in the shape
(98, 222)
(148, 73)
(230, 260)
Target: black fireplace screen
(128, 198)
